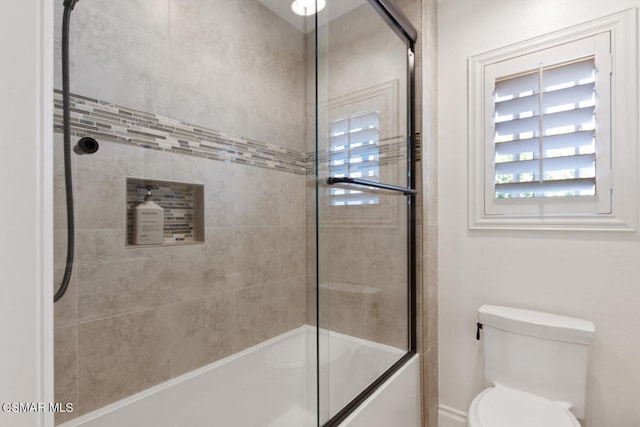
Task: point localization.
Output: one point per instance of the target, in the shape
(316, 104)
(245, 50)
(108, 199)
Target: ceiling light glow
(307, 7)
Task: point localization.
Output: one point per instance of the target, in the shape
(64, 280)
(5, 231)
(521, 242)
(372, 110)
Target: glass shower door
(364, 211)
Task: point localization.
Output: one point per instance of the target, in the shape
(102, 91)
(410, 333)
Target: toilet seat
(505, 407)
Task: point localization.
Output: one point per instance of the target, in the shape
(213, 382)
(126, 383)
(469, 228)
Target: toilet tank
(540, 353)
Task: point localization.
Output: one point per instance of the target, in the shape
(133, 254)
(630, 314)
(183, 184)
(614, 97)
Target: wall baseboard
(451, 417)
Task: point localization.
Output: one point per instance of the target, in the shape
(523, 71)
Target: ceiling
(334, 9)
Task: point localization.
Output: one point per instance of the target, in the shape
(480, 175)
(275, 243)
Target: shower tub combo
(280, 290)
(273, 384)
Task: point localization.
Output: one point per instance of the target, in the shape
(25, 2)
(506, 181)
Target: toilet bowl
(505, 407)
(535, 368)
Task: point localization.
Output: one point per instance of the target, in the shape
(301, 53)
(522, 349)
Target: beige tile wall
(228, 65)
(429, 208)
(134, 317)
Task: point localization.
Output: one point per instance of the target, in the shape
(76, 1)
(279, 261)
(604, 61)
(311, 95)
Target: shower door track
(401, 25)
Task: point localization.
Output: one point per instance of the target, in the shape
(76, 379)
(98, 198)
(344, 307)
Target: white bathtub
(273, 384)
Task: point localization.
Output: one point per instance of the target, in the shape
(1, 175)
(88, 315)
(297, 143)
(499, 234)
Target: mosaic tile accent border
(391, 150)
(106, 121)
(417, 146)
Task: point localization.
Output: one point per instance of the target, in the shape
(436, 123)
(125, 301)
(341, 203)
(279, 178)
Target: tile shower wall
(363, 248)
(137, 316)
(134, 317)
(229, 65)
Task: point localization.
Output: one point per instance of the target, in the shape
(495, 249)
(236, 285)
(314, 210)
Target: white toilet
(535, 367)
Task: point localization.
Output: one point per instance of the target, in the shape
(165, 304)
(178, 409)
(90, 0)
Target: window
(547, 119)
(354, 153)
(545, 139)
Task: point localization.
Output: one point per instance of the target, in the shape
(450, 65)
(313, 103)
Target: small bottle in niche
(148, 222)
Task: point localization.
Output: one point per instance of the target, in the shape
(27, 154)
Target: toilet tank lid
(538, 324)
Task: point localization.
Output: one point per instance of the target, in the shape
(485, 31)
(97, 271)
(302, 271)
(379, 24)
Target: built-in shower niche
(183, 205)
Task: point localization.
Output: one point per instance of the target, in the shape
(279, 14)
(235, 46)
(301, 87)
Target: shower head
(70, 4)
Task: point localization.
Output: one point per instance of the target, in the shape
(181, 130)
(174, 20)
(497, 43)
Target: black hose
(66, 114)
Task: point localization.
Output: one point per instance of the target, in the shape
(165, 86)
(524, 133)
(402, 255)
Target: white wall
(26, 350)
(595, 276)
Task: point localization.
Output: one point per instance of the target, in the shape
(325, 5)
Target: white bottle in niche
(148, 222)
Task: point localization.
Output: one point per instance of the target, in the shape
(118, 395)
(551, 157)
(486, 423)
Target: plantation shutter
(544, 123)
(552, 130)
(354, 153)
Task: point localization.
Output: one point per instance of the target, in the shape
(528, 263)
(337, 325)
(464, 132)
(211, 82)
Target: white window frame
(560, 213)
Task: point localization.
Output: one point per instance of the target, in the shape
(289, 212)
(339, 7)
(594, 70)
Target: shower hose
(66, 114)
